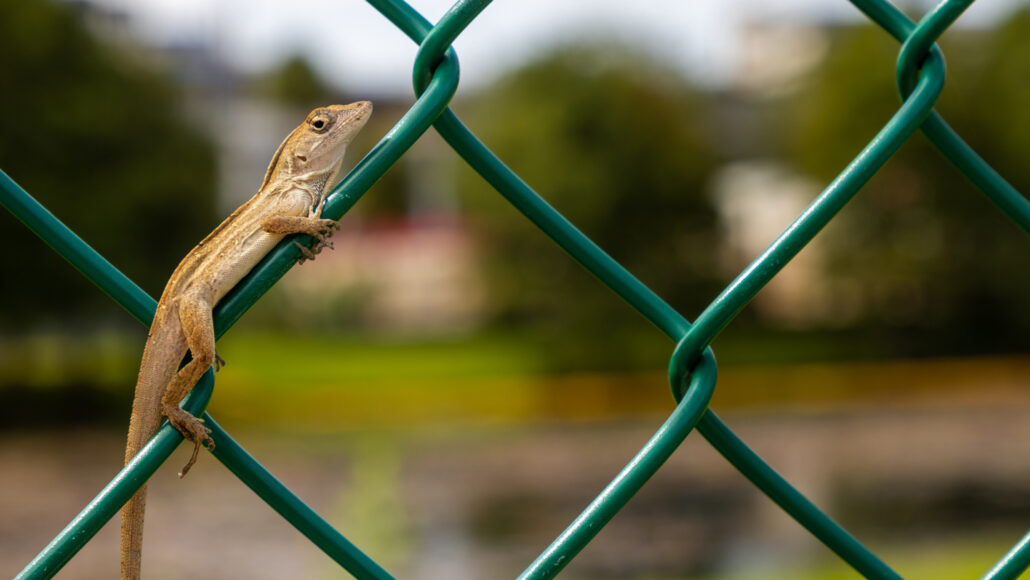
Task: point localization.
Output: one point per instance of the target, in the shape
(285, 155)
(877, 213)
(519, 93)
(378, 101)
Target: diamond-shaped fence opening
(692, 367)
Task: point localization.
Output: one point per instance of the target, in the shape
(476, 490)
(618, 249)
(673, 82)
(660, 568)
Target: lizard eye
(320, 123)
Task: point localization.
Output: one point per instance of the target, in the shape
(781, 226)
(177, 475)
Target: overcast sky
(357, 48)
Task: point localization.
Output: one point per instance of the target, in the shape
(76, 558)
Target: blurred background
(447, 387)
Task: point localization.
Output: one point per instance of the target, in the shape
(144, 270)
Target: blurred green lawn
(299, 359)
(332, 383)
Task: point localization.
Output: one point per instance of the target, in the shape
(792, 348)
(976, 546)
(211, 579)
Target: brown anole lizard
(304, 169)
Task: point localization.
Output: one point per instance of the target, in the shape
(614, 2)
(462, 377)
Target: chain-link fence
(692, 367)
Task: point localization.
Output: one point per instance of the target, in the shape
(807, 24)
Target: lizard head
(318, 144)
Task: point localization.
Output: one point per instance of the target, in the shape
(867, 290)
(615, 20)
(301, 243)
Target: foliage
(614, 141)
(296, 83)
(922, 250)
(99, 141)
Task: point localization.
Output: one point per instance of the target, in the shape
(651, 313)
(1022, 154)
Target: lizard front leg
(198, 328)
(319, 228)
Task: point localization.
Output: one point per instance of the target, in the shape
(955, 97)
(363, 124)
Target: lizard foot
(219, 362)
(193, 429)
(322, 229)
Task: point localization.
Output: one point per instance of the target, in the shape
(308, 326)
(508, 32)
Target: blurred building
(757, 194)
(756, 201)
(777, 56)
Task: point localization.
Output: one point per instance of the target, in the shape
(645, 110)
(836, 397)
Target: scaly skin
(305, 167)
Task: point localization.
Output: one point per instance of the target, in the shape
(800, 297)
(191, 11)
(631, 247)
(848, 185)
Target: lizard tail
(156, 370)
(132, 535)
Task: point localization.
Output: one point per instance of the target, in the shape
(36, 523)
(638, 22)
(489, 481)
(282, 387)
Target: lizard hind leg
(198, 328)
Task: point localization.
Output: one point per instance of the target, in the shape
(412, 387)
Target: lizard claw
(203, 439)
(320, 245)
(306, 253)
(324, 234)
(193, 429)
(321, 234)
(219, 362)
(193, 459)
(326, 229)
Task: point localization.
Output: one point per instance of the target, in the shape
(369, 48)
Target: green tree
(617, 143)
(99, 141)
(928, 255)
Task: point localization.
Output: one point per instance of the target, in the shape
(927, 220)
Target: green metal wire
(692, 368)
(632, 477)
(560, 553)
(841, 190)
(78, 253)
(292, 508)
(107, 503)
(1013, 563)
